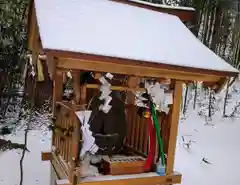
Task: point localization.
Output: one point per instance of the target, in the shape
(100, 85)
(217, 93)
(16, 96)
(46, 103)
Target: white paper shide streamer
(88, 140)
(159, 97)
(105, 93)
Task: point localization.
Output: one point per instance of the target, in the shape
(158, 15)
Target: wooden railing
(138, 137)
(67, 137)
(137, 134)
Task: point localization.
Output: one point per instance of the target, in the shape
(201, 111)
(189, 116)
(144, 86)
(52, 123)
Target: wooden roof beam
(143, 71)
(184, 13)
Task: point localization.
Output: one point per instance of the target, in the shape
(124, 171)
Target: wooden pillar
(83, 94)
(51, 66)
(35, 54)
(132, 83)
(76, 86)
(177, 95)
(75, 143)
(57, 88)
(131, 113)
(35, 47)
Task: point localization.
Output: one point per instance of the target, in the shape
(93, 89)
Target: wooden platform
(151, 178)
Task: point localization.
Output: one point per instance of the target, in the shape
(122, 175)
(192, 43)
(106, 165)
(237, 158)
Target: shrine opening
(117, 68)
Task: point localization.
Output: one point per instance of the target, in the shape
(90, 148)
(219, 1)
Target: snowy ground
(217, 142)
(35, 171)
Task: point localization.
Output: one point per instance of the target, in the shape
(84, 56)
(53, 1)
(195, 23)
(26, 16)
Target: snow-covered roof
(108, 28)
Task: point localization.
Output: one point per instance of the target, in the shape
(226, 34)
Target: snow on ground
(217, 142)
(35, 171)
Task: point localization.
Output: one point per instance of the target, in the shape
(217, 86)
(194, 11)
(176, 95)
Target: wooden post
(177, 95)
(131, 114)
(51, 65)
(57, 89)
(83, 94)
(76, 86)
(75, 144)
(132, 83)
(57, 96)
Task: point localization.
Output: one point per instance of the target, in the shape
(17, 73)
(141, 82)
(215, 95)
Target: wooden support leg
(177, 95)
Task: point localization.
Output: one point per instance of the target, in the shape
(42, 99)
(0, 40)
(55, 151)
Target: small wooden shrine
(126, 62)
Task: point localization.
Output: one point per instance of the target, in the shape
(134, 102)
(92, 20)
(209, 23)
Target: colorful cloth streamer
(152, 144)
(157, 127)
(154, 130)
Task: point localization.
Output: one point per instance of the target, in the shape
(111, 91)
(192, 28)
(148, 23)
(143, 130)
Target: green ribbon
(157, 127)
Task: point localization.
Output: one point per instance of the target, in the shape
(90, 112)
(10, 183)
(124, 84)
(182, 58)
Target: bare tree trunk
(225, 99)
(211, 23)
(217, 23)
(206, 22)
(220, 33)
(210, 104)
(195, 96)
(185, 100)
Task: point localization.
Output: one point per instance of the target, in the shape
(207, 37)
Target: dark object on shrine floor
(109, 129)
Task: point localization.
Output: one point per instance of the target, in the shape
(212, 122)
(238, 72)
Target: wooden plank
(58, 168)
(46, 156)
(57, 88)
(83, 91)
(137, 139)
(117, 88)
(63, 163)
(32, 24)
(51, 64)
(174, 178)
(135, 70)
(131, 114)
(58, 85)
(141, 136)
(177, 95)
(35, 48)
(75, 144)
(145, 64)
(76, 86)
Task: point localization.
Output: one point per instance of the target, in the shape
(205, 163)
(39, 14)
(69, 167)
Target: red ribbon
(152, 145)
